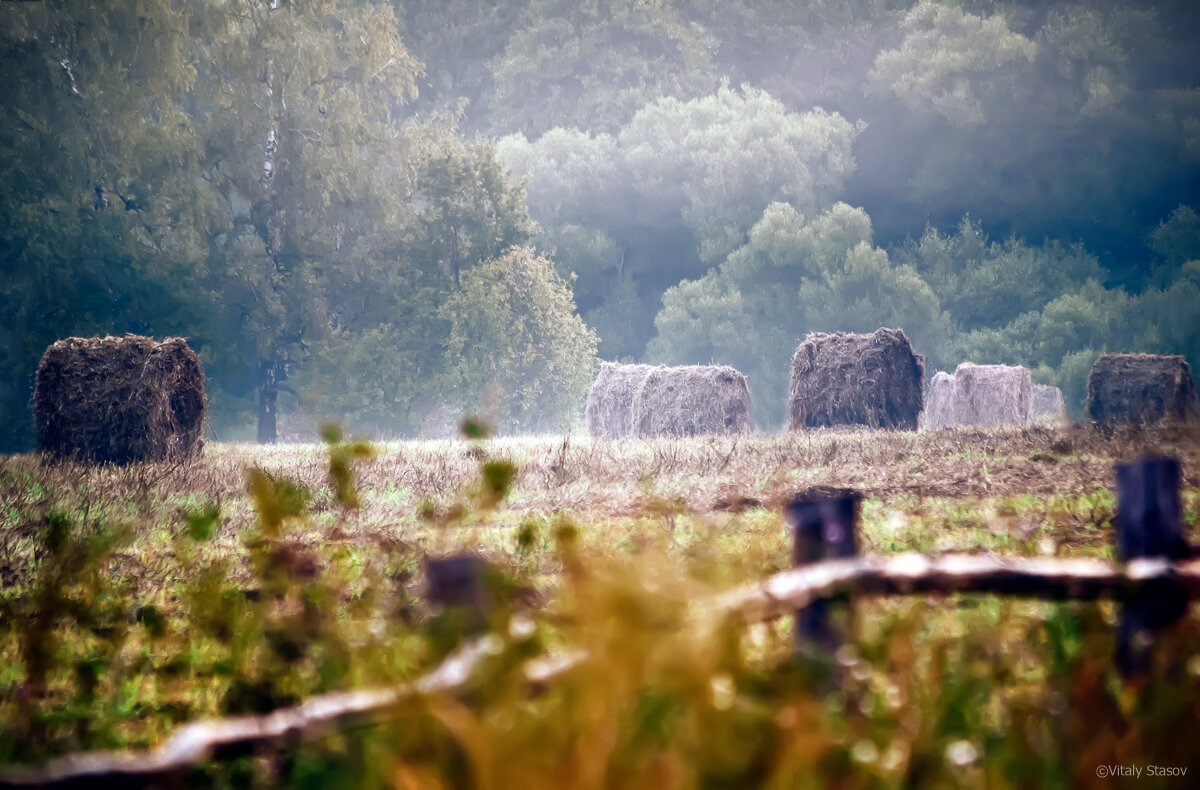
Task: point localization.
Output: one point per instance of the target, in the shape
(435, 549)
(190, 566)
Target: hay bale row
(1049, 407)
(119, 400)
(874, 380)
(980, 396)
(647, 401)
(1141, 389)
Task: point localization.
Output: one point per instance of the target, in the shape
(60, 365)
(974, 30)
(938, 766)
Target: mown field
(134, 599)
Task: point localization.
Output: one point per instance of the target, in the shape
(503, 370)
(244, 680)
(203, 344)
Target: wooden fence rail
(776, 596)
(917, 574)
(1154, 586)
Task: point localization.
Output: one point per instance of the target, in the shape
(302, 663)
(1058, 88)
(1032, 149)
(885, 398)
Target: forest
(385, 213)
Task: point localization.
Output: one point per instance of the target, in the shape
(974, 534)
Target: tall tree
(380, 364)
(94, 156)
(515, 340)
(296, 104)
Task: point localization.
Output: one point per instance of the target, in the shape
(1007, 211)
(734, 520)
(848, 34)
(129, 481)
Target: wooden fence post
(1149, 526)
(460, 583)
(824, 526)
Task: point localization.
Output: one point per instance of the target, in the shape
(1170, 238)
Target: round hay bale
(691, 400)
(1049, 406)
(993, 396)
(846, 379)
(1141, 388)
(609, 411)
(939, 401)
(120, 399)
(980, 396)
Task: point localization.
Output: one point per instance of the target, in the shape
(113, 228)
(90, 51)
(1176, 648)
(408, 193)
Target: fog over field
(390, 214)
(599, 393)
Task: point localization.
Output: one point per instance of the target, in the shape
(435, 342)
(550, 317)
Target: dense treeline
(248, 175)
(315, 192)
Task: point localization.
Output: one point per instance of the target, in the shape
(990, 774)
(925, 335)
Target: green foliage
(1071, 330)
(952, 63)
(457, 41)
(467, 211)
(276, 500)
(378, 362)
(677, 188)
(1063, 88)
(666, 692)
(813, 54)
(718, 161)
(256, 178)
(1176, 241)
(296, 111)
(1072, 378)
(498, 477)
(474, 428)
(986, 283)
(516, 342)
(93, 153)
(1065, 336)
(202, 523)
(342, 457)
(593, 65)
(1083, 319)
(569, 175)
(69, 592)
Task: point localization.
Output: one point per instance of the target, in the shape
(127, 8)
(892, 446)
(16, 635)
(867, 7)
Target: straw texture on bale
(873, 380)
(1141, 388)
(1049, 407)
(939, 401)
(120, 399)
(609, 412)
(690, 401)
(980, 396)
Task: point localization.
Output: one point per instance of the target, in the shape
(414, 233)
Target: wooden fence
(1154, 585)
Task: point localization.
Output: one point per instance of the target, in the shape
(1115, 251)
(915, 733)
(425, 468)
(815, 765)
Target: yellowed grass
(603, 544)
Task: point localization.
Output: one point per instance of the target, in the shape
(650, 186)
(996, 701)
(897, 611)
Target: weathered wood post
(824, 526)
(1149, 527)
(459, 585)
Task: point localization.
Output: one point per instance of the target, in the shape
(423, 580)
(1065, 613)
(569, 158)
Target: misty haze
(347, 338)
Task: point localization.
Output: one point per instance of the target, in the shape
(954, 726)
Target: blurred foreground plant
(962, 691)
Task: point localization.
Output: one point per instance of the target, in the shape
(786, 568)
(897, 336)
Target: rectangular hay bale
(1049, 406)
(980, 396)
(691, 400)
(874, 380)
(609, 411)
(120, 399)
(1141, 389)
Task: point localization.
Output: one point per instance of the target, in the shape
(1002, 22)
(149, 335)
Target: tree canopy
(322, 195)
